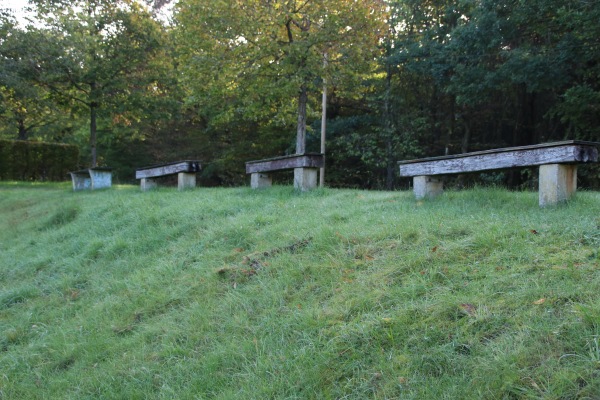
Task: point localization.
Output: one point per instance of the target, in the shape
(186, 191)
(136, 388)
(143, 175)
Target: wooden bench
(557, 167)
(186, 174)
(92, 178)
(305, 166)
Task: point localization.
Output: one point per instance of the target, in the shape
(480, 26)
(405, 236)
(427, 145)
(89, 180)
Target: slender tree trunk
(451, 128)
(301, 128)
(323, 130)
(466, 140)
(93, 128)
(93, 135)
(389, 131)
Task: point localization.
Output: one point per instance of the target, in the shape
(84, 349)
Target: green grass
(332, 294)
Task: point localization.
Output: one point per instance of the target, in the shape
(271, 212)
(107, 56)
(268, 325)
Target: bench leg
(186, 180)
(147, 184)
(100, 179)
(259, 180)
(557, 183)
(305, 178)
(426, 186)
(81, 181)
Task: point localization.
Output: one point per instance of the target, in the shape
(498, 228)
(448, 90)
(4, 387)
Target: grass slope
(240, 294)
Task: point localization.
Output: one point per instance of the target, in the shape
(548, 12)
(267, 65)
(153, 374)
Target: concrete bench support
(186, 180)
(557, 167)
(92, 178)
(148, 184)
(258, 180)
(305, 166)
(305, 178)
(185, 170)
(557, 182)
(427, 186)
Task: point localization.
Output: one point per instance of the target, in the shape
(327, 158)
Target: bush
(36, 161)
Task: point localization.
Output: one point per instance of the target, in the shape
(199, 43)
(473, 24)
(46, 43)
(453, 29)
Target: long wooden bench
(92, 178)
(557, 167)
(186, 174)
(305, 166)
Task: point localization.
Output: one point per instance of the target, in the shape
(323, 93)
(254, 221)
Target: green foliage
(234, 293)
(260, 55)
(36, 161)
(97, 56)
(27, 109)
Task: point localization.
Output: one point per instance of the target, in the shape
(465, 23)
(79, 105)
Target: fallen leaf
(540, 301)
(434, 249)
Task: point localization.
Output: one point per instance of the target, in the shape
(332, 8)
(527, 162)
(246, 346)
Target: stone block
(305, 178)
(259, 180)
(186, 180)
(427, 187)
(148, 184)
(557, 182)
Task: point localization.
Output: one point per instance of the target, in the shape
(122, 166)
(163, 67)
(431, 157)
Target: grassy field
(333, 294)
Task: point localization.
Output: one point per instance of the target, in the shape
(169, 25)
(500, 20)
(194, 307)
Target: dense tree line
(230, 81)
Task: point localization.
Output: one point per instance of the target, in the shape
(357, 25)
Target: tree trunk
(450, 130)
(93, 139)
(323, 129)
(466, 140)
(389, 129)
(22, 130)
(93, 134)
(301, 128)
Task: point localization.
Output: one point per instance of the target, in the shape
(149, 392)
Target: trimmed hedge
(36, 161)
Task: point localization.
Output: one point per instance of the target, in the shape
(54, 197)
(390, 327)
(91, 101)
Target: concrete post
(81, 181)
(557, 183)
(186, 180)
(100, 179)
(305, 178)
(259, 180)
(426, 186)
(147, 184)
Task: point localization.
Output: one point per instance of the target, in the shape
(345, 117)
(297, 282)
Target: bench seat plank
(549, 153)
(187, 166)
(308, 160)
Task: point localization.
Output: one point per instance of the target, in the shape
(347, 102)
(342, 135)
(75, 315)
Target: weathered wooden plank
(512, 157)
(168, 169)
(309, 160)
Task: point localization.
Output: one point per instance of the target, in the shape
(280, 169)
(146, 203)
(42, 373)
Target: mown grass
(332, 294)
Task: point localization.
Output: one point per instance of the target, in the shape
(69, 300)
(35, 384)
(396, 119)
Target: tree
(26, 106)
(95, 54)
(274, 49)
